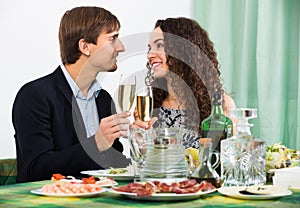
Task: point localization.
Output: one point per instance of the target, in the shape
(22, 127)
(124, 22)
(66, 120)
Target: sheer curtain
(258, 43)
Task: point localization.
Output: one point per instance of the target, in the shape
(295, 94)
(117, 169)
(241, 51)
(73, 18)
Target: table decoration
(279, 156)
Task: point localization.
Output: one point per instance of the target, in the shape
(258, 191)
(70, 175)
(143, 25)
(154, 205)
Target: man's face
(104, 53)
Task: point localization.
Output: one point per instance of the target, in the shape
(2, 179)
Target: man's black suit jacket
(50, 135)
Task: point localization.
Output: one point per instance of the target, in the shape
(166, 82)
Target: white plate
(163, 196)
(292, 169)
(104, 173)
(114, 183)
(39, 192)
(234, 193)
(294, 189)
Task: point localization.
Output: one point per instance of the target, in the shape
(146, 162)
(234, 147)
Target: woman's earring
(87, 53)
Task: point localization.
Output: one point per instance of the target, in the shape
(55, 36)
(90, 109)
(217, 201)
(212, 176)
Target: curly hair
(193, 63)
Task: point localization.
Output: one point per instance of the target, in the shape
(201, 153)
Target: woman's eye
(160, 45)
(156, 47)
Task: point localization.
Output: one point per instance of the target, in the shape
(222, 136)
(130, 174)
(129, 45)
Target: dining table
(19, 195)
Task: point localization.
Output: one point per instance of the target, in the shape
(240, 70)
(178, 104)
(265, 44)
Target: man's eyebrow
(115, 35)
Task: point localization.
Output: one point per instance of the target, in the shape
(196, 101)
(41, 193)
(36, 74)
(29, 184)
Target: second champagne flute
(144, 103)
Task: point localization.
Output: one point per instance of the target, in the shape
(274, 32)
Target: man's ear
(84, 47)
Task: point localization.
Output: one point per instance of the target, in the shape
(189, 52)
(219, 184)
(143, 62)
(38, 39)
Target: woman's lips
(156, 65)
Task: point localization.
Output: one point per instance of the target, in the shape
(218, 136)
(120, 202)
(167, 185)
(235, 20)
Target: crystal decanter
(243, 156)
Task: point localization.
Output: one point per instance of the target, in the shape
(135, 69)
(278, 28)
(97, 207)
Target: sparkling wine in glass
(126, 93)
(144, 103)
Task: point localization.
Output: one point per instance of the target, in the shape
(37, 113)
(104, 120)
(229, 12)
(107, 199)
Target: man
(65, 122)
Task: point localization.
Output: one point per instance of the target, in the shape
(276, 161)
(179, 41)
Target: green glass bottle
(217, 126)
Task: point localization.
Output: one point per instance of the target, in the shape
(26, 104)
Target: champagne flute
(126, 93)
(144, 104)
(138, 138)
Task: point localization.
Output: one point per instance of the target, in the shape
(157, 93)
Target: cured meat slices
(148, 188)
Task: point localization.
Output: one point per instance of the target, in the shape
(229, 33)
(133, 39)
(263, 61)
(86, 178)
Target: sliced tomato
(90, 180)
(58, 176)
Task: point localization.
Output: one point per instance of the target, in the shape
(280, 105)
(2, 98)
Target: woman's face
(156, 55)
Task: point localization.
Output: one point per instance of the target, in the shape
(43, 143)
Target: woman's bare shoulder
(228, 104)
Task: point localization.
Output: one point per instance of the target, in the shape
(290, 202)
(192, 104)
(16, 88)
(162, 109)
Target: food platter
(163, 196)
(69, 186)
(105, 173)
(104, 182)
(90, 194)
(162, 191)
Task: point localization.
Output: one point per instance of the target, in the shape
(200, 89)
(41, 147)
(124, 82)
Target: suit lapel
(65, 89)
(102, 101)
(63, 84)
(105, 104)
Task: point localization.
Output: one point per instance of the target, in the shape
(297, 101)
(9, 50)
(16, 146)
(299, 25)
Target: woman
(184, 72)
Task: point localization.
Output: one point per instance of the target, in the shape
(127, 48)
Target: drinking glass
(126, 93)
(138, 141)
(144, 103)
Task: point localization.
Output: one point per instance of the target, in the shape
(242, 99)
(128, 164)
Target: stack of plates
(287, 177)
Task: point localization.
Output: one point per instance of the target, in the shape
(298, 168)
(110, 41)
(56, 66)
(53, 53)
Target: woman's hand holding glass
(141, 124)
(144, 107)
